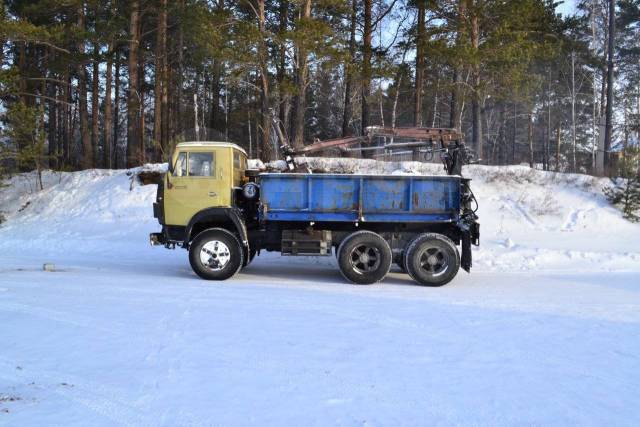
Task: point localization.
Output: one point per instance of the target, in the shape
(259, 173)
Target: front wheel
(364, 257)
(432, 259)
(216, 254)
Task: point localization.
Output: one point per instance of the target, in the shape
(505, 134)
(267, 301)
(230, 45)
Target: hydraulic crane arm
(329, 143)
(445, 140)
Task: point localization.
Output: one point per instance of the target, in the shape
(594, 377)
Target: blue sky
(567, 7)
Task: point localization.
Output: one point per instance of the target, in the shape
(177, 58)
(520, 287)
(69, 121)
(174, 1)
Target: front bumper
(157, 212)
(470, 235)
(157, 239)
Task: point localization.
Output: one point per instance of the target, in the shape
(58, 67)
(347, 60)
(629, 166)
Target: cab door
(199, 181)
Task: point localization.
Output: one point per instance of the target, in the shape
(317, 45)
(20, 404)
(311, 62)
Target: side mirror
(170, 167)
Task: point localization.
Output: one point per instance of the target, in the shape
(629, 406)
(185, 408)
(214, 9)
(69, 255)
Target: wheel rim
(434, 261)
(215, 255)
(365, 259)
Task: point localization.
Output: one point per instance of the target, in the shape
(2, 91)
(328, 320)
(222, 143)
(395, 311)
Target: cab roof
(210, 144)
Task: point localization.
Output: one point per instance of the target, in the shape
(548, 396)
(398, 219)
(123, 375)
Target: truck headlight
(250, 190)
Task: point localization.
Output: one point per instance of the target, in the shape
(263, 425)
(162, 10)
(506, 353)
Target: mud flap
(465, 261)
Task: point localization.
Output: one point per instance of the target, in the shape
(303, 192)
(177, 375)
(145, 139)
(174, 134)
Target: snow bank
(76, 211)
(530, 219)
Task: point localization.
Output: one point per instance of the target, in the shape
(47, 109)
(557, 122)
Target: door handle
(213, 194)
(180, 187)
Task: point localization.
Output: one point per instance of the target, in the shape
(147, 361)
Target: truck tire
(364, 257)
(432, 259)
(216, 254)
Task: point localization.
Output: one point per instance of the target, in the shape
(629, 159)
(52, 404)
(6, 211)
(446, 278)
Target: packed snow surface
(544, 331)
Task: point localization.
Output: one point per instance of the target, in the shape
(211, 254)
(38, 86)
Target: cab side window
(201, 164)
(236, 160)
(180, 168)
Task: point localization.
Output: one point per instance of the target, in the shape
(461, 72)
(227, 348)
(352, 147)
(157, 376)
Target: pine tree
(625, 190)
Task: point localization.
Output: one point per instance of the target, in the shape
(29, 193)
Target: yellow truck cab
(199, 192)
(202, 175)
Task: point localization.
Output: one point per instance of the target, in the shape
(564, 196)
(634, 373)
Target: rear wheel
(432, 259)
(215, 254)
(364, 257)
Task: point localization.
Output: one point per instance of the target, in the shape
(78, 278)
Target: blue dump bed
(365, 198)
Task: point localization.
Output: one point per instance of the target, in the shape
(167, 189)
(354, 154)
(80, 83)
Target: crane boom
(448, 141)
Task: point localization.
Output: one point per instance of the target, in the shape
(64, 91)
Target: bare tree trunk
(420, 64)
(302, 71)
(476, 128)
(250, 151)
(95, 106)
(3, 38)
(381, 105)
(625, 142)
(603, 88)
(159, 136)
(214, 110)
(141, 126)
(608, 129)
(22, 71)
(395, 103)
(502, 155)
(476, 112)
(366, 64)
(547, 141)
(66, 138)
(60, 108)
(455, 116)
(453, 107)
(573, 113)
(267, 152)
(116, 111)
(108, 118)
(594, 111)
(74, 154)
(515, 133)
(52, 125)
(133, 97)
(41, 128)
(348, 71)
(530, 139)
(435, 102)
(282, 63)
(558, 147)
(87, 151)
(180, 74)
(164, 108)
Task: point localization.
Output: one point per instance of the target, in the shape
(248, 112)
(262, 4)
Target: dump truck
(210, 203)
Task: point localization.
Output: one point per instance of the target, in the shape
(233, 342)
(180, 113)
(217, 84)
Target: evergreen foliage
(115, 83)
(624, 191)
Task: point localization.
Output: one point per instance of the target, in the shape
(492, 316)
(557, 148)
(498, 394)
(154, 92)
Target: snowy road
(544, 331)
(110, 342)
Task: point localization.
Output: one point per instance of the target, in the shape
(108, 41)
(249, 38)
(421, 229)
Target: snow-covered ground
(544, 331)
